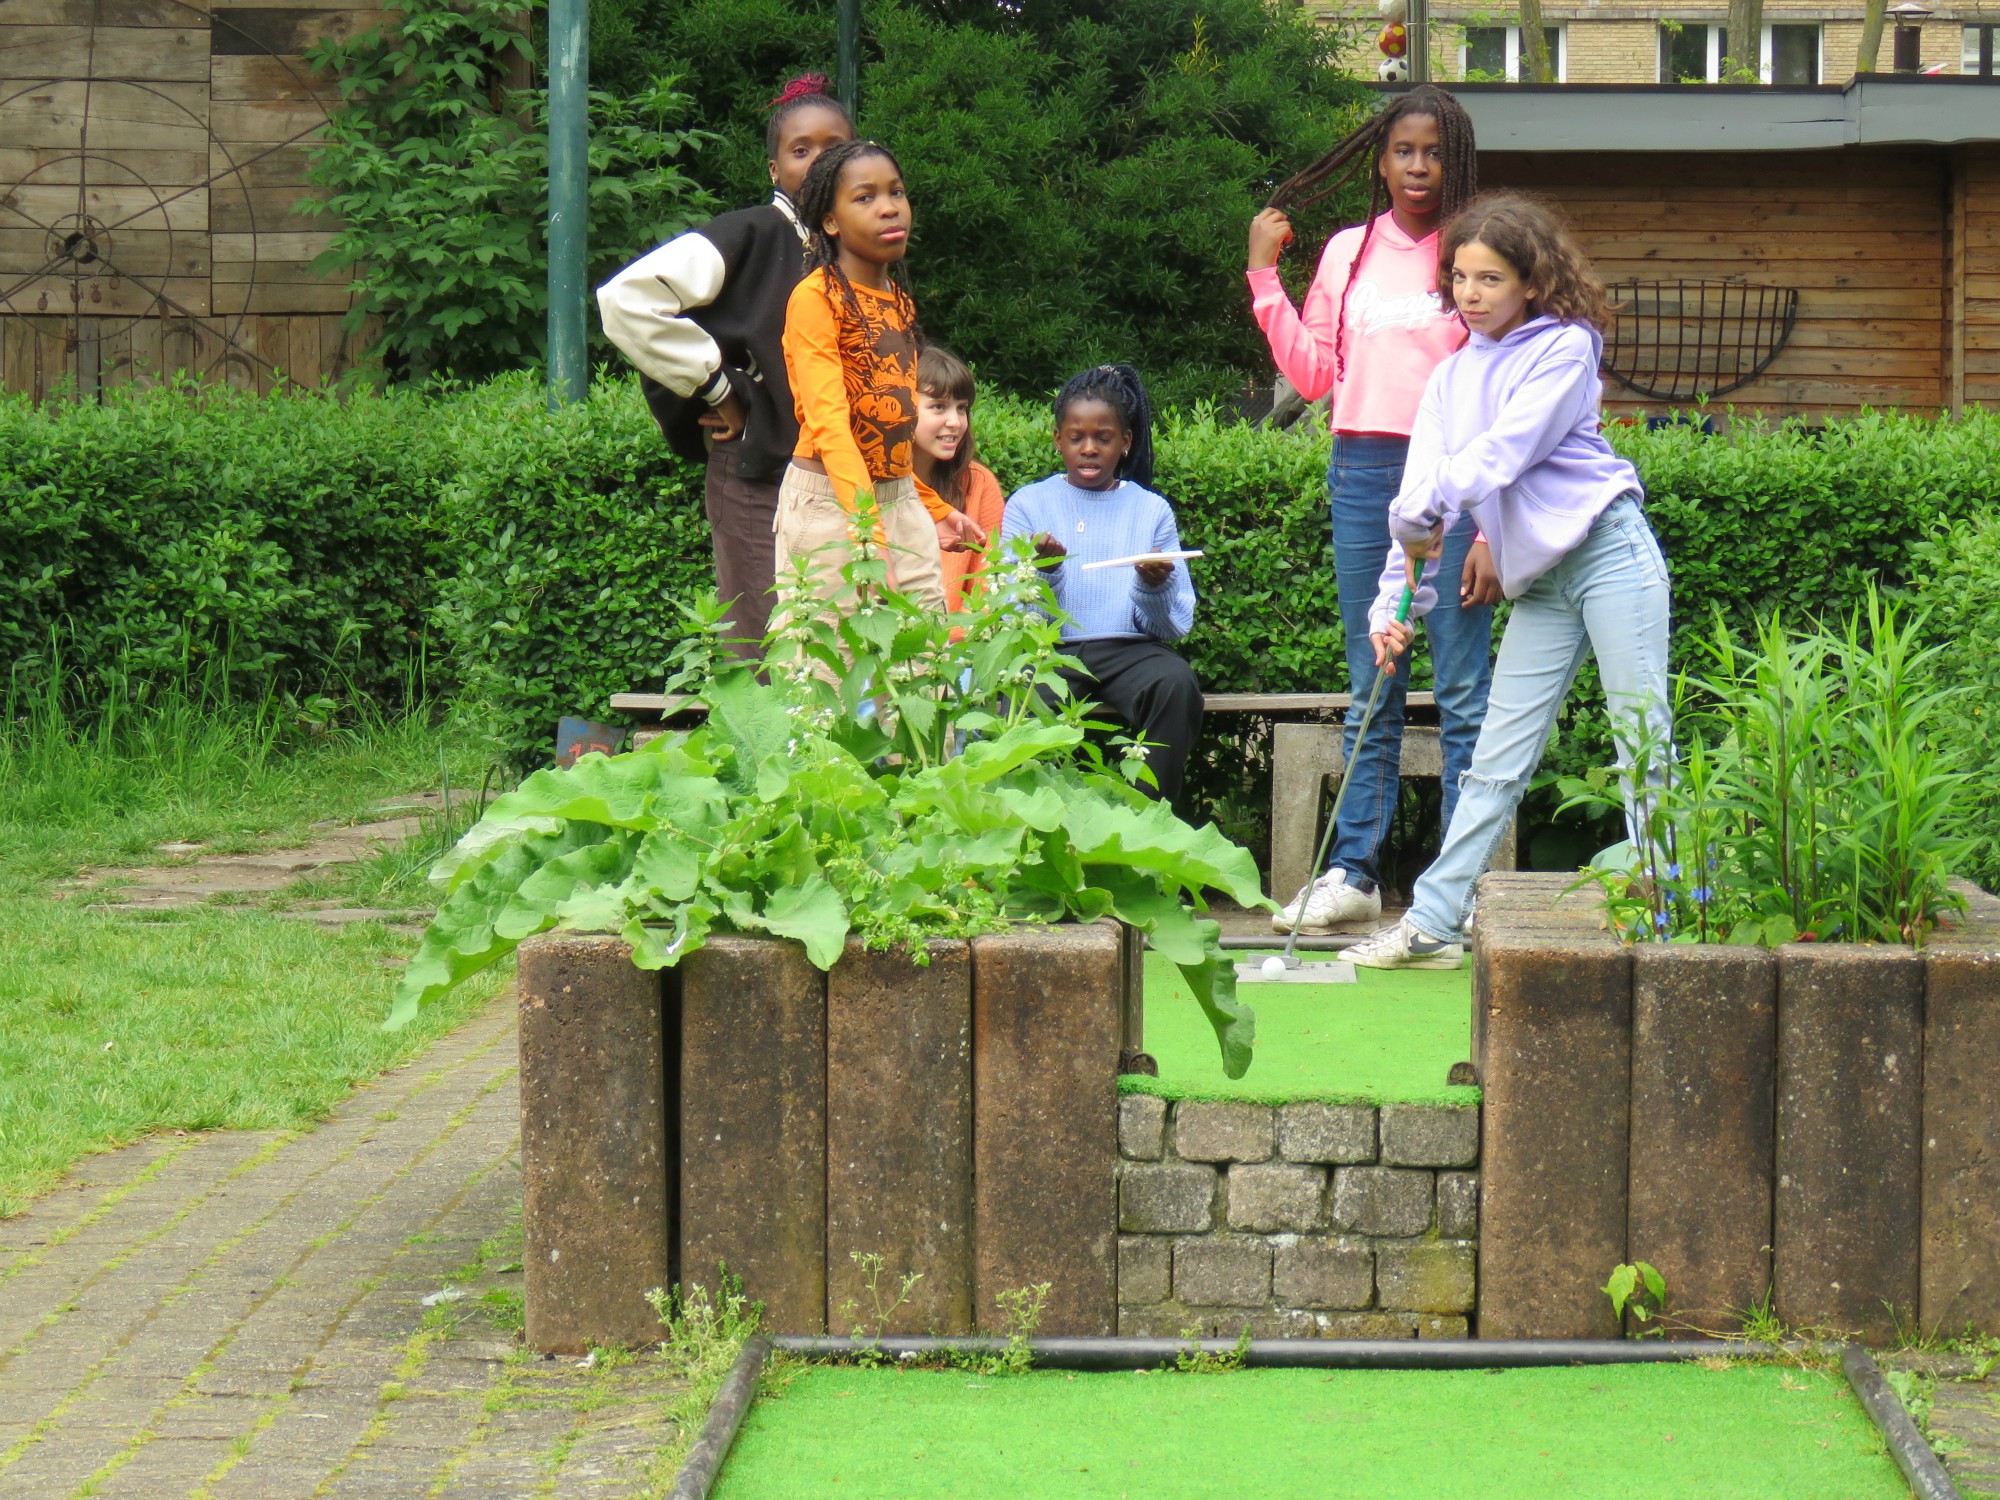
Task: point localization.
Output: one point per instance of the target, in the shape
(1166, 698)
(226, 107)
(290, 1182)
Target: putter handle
(1403, 605)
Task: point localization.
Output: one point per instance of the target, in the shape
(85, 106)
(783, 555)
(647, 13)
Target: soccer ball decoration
(1394, 70)
(1394, 42)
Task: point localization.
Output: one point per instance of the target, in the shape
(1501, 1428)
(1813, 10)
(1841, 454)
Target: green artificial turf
(1390, 1037)
(1624, 1432)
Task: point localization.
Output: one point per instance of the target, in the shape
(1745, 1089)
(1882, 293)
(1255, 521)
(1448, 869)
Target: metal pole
(847, 63)
(569, 187)
(1417, 23)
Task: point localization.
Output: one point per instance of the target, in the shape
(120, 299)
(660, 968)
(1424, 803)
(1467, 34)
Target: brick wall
(1611, 51)
(1298, 1220)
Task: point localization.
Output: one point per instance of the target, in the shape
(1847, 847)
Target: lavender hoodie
(1507, 429)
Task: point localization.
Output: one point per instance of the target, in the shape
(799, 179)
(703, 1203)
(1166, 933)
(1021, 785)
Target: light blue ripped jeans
(1608, 595)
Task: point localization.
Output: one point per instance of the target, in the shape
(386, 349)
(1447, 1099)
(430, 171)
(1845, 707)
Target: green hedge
(548, 551)
(289, 539)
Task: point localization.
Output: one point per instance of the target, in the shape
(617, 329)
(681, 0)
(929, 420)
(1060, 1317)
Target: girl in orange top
(851, 341)
(945, 469)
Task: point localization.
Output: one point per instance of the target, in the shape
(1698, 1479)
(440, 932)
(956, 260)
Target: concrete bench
(1306, 755)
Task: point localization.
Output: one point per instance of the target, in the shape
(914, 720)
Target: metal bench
(1305, 755)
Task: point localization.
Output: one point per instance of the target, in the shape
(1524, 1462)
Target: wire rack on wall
(1695, 340)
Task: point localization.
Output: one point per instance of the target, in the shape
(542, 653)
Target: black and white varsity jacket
(704, 315)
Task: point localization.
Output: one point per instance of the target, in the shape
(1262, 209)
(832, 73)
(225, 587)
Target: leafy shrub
(292, 538)
(839, 795)
(440, 179)
(1955, 579)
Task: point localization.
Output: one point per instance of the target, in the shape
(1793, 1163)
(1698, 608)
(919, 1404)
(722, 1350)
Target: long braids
(1118, 387)
(815, 203)
(1361, 151)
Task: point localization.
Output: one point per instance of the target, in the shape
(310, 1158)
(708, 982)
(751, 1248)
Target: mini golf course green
(1623, 1432)
(1390, 1037)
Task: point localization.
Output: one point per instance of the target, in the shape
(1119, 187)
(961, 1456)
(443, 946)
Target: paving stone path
(191, 876)
(1969, 1411)
(242, 1316)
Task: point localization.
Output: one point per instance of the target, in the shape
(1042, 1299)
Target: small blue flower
(1660, 920)
(1673, 872)
(1703, 894)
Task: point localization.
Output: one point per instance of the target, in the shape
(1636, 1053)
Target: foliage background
(1082, 174)
(538, 558)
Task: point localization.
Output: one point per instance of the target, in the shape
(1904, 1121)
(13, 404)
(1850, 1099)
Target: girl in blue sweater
(1120, 619)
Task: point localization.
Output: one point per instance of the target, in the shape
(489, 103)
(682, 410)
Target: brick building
(1631, 41)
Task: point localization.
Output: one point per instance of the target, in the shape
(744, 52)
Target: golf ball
(1274, 967)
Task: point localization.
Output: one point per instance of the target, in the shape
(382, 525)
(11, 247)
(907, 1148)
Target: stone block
(1426, 1276)
(1343, 1133)
(1142, 1127)
(753, 1125)
(1381, 1200)
(1206, 1131)
(1045, 1033)
(1166, 1198)
(1145, 1270)
(1435, 1327)
(1273, 1197)
(1458, 1205)
(1851, 1067)
(1850, 1146)
(1961, 1174)
(1328, 1273)
(1430, 1135)
(1218, 1271)
(1555, 1017)
(1704, 1067)
(595, 1144)
(899, 1134)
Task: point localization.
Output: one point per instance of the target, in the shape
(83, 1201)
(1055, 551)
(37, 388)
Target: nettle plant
(1809, 798)
(902, 775)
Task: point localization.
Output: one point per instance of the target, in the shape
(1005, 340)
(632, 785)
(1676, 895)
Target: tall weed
(1811, 799)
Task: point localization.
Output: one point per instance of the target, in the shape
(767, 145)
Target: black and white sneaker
(1404, 947)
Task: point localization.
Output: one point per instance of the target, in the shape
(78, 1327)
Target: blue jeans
(1363, 478)
(1609, 595)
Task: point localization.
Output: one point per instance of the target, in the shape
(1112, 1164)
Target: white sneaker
(1330, 902)
(1404, 947)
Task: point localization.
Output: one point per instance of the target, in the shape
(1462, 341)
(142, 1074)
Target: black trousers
(1152, 691)
(741, 513)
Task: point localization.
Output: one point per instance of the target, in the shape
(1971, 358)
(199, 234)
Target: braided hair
(815, 205)
(1118, 387)
(1362, 151)
(807, 91)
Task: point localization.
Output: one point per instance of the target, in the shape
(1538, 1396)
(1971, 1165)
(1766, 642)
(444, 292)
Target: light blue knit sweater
(1107, 604)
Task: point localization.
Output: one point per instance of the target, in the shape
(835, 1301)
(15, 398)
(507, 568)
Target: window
(1791, 54)
(1691, 52)
(1492, 54)
(1976, 56)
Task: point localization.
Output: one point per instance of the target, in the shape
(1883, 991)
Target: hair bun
(805, 86)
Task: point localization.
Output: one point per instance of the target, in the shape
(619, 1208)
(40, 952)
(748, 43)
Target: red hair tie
(805, 86)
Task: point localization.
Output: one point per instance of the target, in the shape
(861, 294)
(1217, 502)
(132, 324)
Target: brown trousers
(740, 517)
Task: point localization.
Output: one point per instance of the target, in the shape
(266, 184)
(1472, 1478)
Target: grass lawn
(1389, 1037)
(1629, 1432)
(113, 1024)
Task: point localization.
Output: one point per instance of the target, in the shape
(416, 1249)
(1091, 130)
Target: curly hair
(815, 204)
(1362, 151)
(1532, 238)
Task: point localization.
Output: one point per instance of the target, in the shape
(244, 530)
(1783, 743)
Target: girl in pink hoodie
(1372, 330)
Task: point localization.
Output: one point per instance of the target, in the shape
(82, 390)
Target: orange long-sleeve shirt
(853, 384)
(986, 505)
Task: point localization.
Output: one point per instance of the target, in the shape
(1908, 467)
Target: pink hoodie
(1397, 331)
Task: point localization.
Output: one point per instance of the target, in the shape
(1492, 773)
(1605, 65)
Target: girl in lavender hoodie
(1508, 431)
(1372, 330)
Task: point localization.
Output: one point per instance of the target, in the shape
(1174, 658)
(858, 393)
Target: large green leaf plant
(900, 775)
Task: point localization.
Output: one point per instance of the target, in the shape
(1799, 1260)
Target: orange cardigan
(984, 503)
